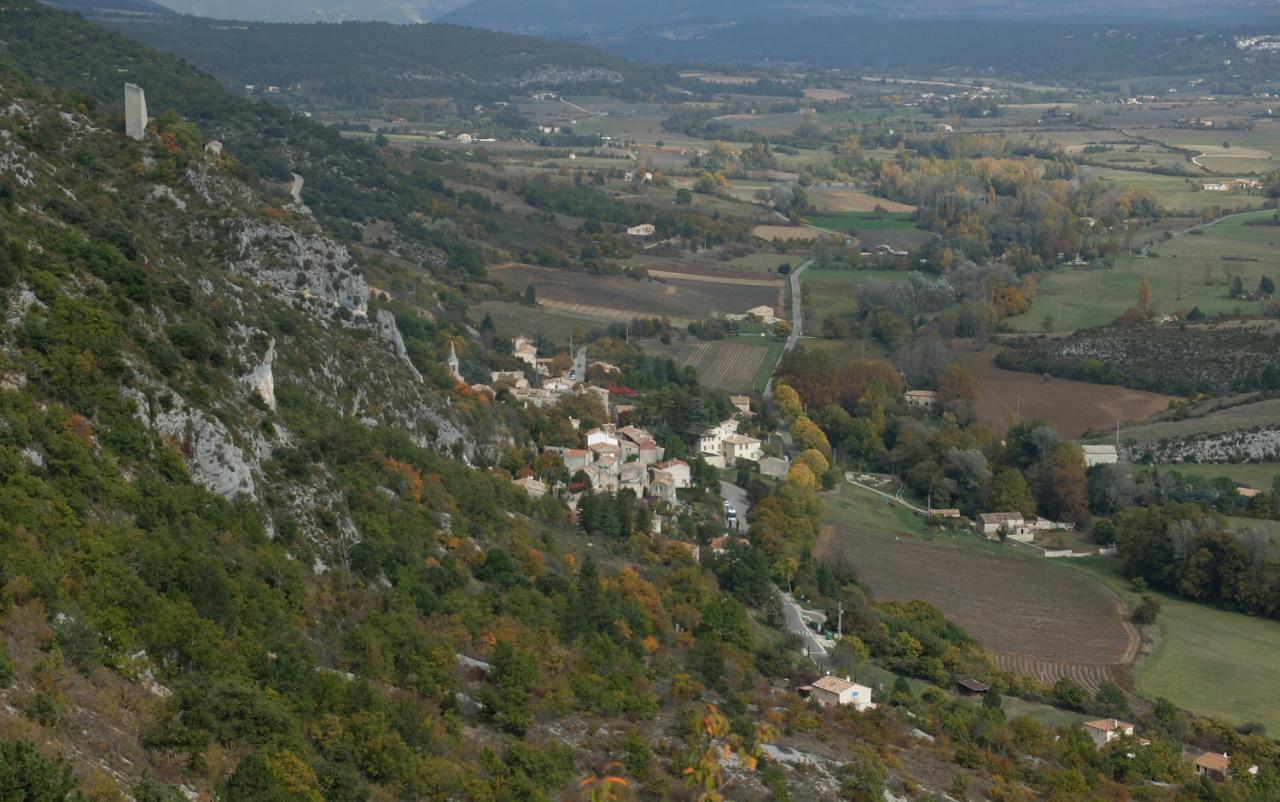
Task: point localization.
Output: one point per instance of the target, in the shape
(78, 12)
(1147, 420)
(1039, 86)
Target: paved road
(738, 498)
(814, 647)
(797, 324)
(797, 306)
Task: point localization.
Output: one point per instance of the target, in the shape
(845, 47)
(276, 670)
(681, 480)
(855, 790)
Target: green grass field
(1258, 475)
(859, 509)
(1209, 661)
(835, 292)
(1075, 298)
(863, 221)
(767, 366)
(1175, 193)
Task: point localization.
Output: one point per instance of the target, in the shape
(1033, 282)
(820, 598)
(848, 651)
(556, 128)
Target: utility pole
(840, 621)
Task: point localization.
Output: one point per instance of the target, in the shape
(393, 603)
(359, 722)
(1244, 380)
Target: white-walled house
(677, 470)
(739, 446)
(709, 442)
(829, 691)
(1010, 524)
(605, 435)
(1104, 731)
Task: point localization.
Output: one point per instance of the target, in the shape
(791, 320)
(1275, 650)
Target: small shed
(972, 687)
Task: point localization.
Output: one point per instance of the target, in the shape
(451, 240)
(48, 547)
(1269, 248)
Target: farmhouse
(742, 403)
(1212, 765)
(921, 399)
(642, 230)
(465, 139)
(1009, 524)
(1105, 730)
(1248, 492)
(535, 487)
(1100, 455)
(889, 250)
(830, 691)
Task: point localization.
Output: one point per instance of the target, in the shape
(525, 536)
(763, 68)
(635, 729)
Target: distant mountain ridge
(401, 11)
(576, 18)
(113, 8)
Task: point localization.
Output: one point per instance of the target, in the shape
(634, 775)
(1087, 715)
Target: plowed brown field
(1070, 407)
(1037, 619)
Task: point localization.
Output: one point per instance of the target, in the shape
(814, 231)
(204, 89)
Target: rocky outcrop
(1257, 445)
(390, 333)
(298, 264)
(214, 458)
(261, 379)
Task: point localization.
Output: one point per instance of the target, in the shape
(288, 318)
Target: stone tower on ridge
(135, 111)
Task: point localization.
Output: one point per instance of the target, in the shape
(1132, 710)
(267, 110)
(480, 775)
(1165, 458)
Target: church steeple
(455, 367)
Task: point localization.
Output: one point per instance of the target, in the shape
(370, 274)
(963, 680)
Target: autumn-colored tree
(786, 569)
(802, 476)
(806, 434)
(1144, 295)
(717, 741)
(815, 460)
(788, 401)
(956, 383)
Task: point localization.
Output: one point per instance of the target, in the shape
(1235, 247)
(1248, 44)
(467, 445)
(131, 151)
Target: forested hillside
(353, 62)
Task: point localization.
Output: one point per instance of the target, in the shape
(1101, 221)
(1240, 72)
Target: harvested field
(713, 275)
(1070, 407)
(612, 299)
(1036, 619)
(825, 94)
(730, 365)
(785, 233)
(832, 201)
